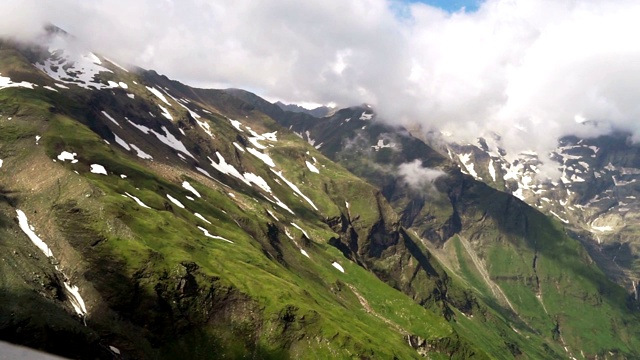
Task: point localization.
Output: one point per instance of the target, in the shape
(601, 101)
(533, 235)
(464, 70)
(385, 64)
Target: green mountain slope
(142, 218)
(519, 262)
(188, 234)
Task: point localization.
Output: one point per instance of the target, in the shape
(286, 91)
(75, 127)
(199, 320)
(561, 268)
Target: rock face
(213, 231)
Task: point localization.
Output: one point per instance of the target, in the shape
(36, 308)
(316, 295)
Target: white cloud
(418, 177)
(522, 68)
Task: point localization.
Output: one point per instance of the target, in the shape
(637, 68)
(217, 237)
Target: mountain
(143, 218)
(595, 196)
(516, 260)
(320, 111)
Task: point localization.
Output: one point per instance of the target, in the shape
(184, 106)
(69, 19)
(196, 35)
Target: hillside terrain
(595, 196)
(143, 218)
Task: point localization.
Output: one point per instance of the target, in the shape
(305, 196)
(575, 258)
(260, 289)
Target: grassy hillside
(534, 286)
(253, 274)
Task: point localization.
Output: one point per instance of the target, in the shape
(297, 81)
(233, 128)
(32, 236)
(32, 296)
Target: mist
(531, 71)
(418, 177)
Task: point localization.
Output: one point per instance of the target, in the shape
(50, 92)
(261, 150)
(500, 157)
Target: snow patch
(602, 228)
(225, 168)
(75, 298)
(207, 234)
(65, 155)
(122, 143)
(138, 201)
(238, 146)
(264, 157)
(202, 218)
(282, 205)
(165, 112)
(309, 139)
(270, 136)
(141, 154)
(98, 169)
(381, 145)
(23, 222)
(204, 126)
(6, 82)
(188, 186)
(175, 201)
(169, 139)
(272, 215)
(299, 228)
(492, 170)
(365, 117)
(204, 172)
(558, 216)
(465, 159)
(157, 93)
(337, 266)
(74, 68)
(312, 167)
(258, 180)
(294, 188)
(236, 124)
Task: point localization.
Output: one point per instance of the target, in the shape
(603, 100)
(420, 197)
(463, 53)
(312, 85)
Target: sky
(451, 5)
(528, 70)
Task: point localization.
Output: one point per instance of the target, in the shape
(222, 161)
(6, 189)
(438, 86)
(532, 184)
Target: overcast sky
(525, 69)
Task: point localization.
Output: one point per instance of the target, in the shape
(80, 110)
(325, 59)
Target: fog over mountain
(529, 70)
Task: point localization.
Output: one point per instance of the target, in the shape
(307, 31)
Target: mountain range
(144, 218)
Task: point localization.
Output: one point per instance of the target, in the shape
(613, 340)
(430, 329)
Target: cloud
(525, 69)
(21, 19)
(418, 177)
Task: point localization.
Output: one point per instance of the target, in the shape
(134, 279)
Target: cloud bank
(526, 69)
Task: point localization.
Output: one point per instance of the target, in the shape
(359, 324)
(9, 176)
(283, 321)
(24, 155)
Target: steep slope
(595, 195)
(141, 218)
(521, 264)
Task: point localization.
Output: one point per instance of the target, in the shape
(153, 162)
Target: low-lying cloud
(418, 177)
(526, 69)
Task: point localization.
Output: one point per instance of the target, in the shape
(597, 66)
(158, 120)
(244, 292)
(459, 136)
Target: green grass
(304, 283)
(285, 304)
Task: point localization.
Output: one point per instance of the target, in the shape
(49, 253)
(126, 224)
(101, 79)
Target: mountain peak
(320, 111)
